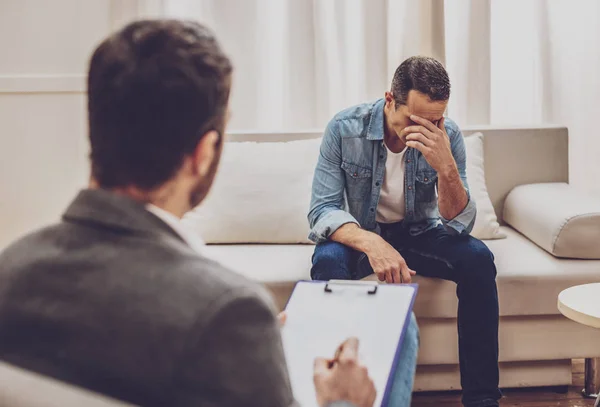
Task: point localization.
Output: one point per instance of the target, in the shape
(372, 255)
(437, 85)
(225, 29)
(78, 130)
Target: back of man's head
(154, 89)
(423, 74)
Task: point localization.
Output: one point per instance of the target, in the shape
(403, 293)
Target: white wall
(545, 69)
(44, 51)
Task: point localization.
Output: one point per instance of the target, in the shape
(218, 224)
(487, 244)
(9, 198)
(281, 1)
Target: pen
(336, 357)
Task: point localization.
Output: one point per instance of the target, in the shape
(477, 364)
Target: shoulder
(147, 273)
(356, 112)
(352, 121)
(209, 294)
(452, 129)
(22, 250)
(218, 285)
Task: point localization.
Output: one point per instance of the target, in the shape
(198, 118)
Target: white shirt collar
(192, 239)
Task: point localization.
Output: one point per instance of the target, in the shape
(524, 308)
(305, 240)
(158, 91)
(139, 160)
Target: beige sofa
(536, 342)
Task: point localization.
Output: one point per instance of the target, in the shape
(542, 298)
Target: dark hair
(154, 88)
(423, 74)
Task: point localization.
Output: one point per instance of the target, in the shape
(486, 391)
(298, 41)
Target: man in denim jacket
(390, 196)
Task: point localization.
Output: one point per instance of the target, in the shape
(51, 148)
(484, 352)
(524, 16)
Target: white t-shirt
(392, 206)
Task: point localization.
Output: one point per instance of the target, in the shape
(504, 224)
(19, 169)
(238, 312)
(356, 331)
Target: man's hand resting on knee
(386, 262)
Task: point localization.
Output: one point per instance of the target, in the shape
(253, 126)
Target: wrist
(448, 172)
(371, 241)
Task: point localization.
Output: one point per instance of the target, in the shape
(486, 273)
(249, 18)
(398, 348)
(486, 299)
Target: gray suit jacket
(113, 300)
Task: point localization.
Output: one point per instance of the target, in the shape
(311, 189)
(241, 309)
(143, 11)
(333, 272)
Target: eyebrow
(432, 120)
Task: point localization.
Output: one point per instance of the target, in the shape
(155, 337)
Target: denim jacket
(350, 170)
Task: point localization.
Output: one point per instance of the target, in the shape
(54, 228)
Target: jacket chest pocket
(358, 181)
(426, 177)
(425, 188)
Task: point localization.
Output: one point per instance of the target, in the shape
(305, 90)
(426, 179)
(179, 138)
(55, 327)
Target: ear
(389, 100)
(206, 152)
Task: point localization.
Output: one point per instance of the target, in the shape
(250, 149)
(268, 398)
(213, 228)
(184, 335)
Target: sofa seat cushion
(267, 263)
(529, 278)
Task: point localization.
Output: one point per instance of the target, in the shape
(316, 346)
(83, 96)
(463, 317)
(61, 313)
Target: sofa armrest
(561, 219)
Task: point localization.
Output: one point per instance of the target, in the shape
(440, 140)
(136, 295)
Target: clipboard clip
(372, 287)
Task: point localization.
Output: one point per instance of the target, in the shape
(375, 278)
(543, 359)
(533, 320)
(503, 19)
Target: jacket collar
(113, 211)
(375, 130)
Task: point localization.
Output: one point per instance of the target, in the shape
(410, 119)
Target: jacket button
(407, 161)
(372, 210)
(377, 184)
(381, 156)
(409, 187)
(426, 179)
(355, 174)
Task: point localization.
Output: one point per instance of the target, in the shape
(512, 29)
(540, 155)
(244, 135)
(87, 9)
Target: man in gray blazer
(117, 297)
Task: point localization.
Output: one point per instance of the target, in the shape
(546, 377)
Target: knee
(479, 262)
(330, 253)
(331, 260)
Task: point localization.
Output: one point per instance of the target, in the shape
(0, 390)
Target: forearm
(353, 236)
(452, 196)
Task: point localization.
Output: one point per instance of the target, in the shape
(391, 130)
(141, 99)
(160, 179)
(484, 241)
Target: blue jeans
(404, 376)
(441, 254)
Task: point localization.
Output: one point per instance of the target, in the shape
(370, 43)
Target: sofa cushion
(529, 278)
(261, 194)
(267, 263)
(486, 225)
(560, 218)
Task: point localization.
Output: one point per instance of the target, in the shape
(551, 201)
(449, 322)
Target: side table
(582, 304)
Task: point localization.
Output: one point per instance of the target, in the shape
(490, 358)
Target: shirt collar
(191, 238)
(375, 130)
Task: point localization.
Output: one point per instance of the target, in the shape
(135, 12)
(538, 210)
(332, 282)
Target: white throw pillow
(262, 193)
(486, 224)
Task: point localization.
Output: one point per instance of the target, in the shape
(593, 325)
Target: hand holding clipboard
(323, 315)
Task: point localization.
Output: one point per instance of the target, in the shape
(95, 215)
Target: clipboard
(321, 315)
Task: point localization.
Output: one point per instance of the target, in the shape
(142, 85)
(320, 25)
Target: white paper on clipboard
(322, 315)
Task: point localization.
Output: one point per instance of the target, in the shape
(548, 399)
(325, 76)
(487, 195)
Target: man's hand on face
(387, 263)
(432, 141)
(344, 378)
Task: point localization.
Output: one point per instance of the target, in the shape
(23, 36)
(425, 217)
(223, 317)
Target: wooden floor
(542, 397)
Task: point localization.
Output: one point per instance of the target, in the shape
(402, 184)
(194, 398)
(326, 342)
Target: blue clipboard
(323, 314)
